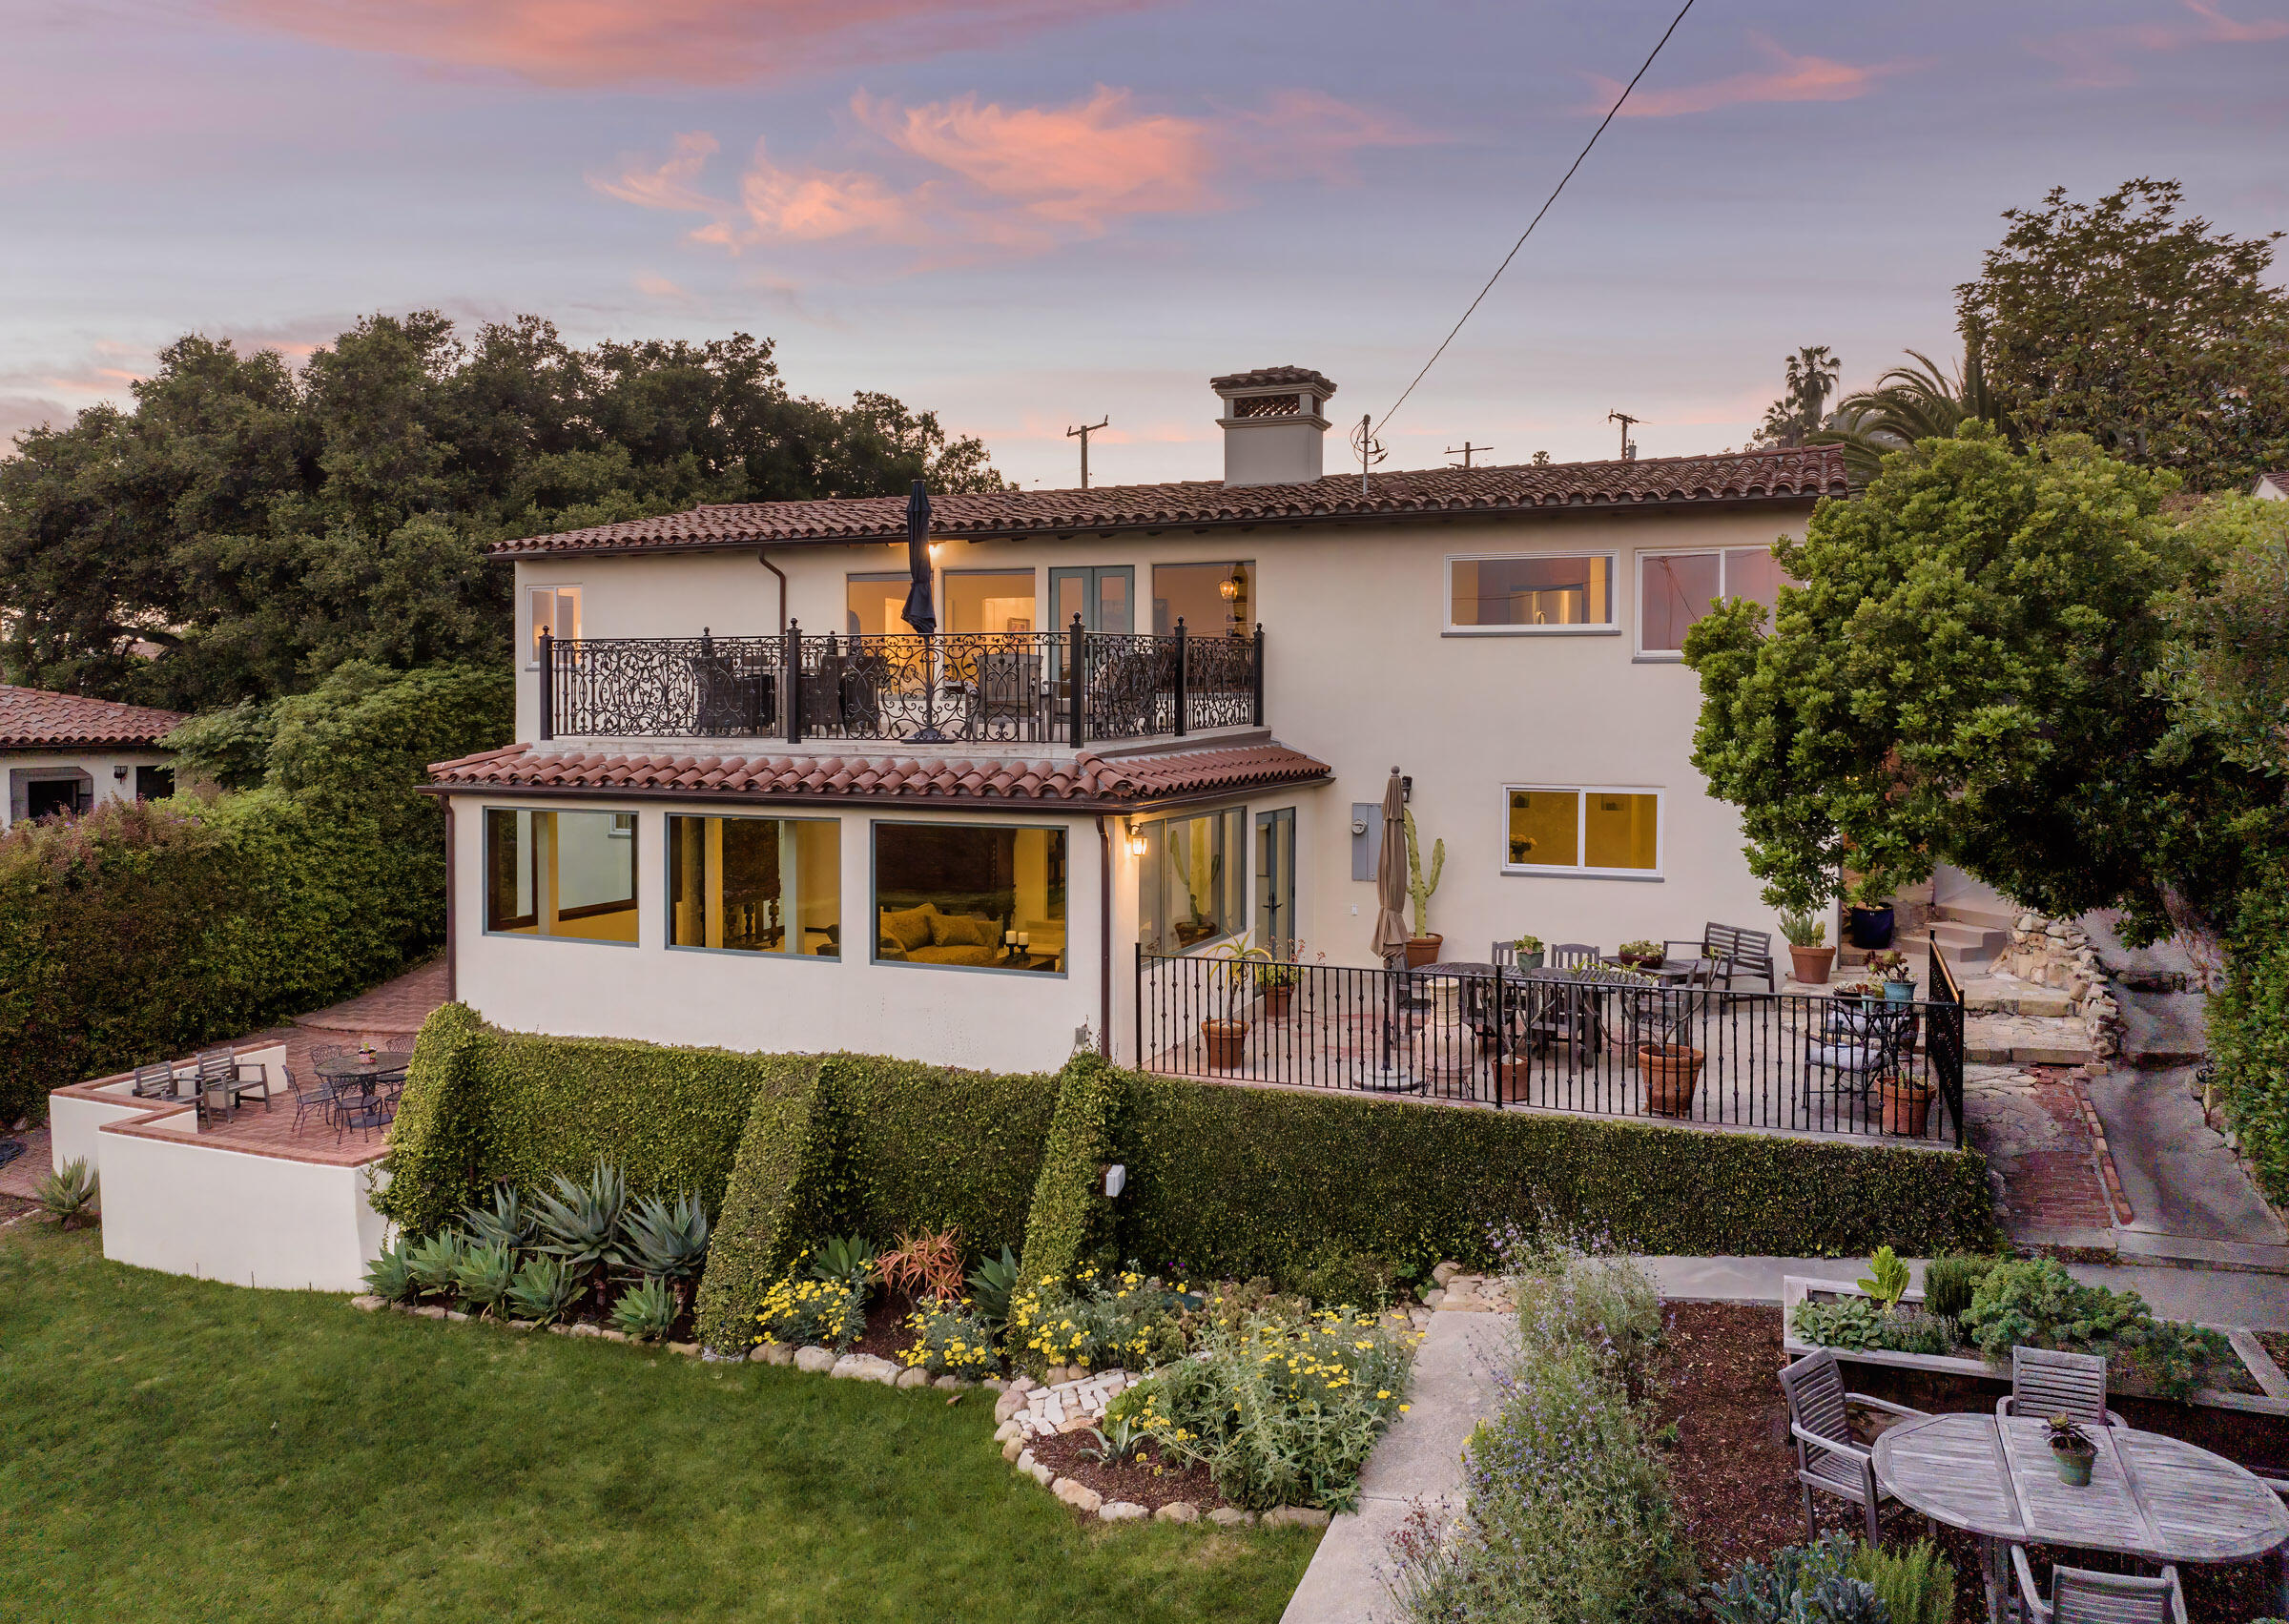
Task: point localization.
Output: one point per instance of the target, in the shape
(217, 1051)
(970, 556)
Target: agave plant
(544, 1289)
(503, 1221)
(580, 1225)
(647, 1311)
(668, 1242)
(389, 1277)
(69, 1197)
(435, 1264)
(991, 1283)
(485, 1276)
(848, 1258)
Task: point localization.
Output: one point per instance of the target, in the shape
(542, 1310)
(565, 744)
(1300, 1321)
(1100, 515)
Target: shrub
(1857, 1322)
(1916, 1585)
(1337, 1274)
(924, 1264)
(950, 1338)
(1070, 1221)
(1100, 1324)
(830, 1313)
(779, 1191)
(1950, 1279)
(2249, 1032)
(435, 1262)
(645, 1311)
(69, 1196)
(2174, 1358)
(389, 1277)
(848, 1258)
(991, 1283)
(2036, 1302)
(1569, 1295)
(1804, 1584)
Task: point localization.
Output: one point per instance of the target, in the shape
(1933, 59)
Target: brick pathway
(393, 1007)
(2031, 1124)
(22, 1176)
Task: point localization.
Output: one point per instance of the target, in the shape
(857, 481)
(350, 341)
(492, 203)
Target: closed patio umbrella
(919, 612)
(1391, 922)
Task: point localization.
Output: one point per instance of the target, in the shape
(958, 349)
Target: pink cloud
(703, 42)
(1790, 78)
(2095, 56)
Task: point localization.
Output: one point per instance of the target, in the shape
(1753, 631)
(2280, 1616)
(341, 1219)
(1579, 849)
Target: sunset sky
(1028, 214)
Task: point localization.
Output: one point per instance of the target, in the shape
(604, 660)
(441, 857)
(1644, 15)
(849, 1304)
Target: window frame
(1223, 817)
(1581, 831)
(874, 896)
(1725, 573)
(1612, 627)
(532, 637)
(668, 883)
(1232, 627)
(485, 868)
(945, 595)
(852, 577)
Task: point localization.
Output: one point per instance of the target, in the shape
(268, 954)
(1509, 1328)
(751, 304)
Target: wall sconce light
(1116, 1179)
(1136, 842)
(120, 774)
(937, 554)
(1406, 789)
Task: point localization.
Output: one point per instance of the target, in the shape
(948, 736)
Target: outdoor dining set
(350, 1089)
(2137, 1497)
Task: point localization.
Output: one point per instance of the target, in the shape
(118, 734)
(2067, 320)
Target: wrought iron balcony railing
(1067, 686)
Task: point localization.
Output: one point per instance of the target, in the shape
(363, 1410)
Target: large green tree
(2158, 337)
(259, 527)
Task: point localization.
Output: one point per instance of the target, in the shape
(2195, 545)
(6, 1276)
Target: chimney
(1274, 424)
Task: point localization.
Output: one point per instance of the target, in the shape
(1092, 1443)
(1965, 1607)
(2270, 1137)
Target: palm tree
(1909, 403)
(1811, 378)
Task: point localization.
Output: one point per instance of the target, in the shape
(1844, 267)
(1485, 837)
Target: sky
(1026, 214)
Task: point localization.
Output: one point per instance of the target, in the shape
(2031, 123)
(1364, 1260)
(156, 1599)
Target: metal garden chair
(1828, 1457)
(2080, 1596)
(2045, 1382)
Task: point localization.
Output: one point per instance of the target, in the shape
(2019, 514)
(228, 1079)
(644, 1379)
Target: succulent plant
(544, 1289)
(503, 1221)
(485, 1276)
(645, 1311)
(435, 1264)
(69, 1197)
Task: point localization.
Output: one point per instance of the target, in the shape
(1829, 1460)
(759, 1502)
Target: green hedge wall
(1070, 1221)
(437, 1140)
(1244, 1182)
(2249, 1034)
(780, 1195)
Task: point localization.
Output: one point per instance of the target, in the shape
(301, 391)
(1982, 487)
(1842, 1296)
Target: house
(64, 753)
(746, 806)
(2272, 485)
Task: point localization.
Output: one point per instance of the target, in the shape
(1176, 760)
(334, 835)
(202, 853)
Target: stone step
(1965, 914)
(1970, 943)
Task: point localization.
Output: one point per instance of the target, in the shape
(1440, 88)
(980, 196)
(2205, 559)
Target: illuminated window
(1675, 589)
(554, 610)
(1535, 592)
(989, 600)
(755, 885)
(1192, 880)
(875, 605)
(1584, 830)
(1213, 600)
(551, 874)
(970, 895)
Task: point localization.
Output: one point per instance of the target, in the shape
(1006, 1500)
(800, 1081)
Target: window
(755, 885)
(1676, 588)
(1537, 593)
(1192, 881)
(556, 611)
(989, 600)
(1585, 831)
(551, 874)
(876, 605)
(970, 895)
(153, 783)
(1211, 599)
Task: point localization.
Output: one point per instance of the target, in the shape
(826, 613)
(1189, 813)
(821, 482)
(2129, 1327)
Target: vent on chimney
(1274, 424)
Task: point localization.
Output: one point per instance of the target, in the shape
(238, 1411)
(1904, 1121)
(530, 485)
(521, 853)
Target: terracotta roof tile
(32, 718)
(1270, 377)
(1791, 475)
(1087, 779)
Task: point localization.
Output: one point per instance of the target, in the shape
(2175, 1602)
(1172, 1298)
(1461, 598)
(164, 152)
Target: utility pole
(1084, 431)
(1629, 446)
(1464, 451)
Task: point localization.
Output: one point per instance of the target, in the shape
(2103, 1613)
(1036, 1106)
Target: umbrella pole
(929, 735)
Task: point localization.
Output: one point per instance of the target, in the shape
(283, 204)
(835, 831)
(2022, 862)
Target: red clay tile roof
(1086, 780)
(31, 718)
(1271, 377)
(1743, 476)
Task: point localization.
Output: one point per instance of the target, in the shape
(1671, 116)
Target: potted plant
(1671, 1072)
(1530, 952)
(1868, 926)
(1891, 968)
(1860, 993)
(1275, 986)
(1225, 1037)
(1906, 1103)
(1640, 955)
(1422, 947)
(2072, 1448)
(1810, 957)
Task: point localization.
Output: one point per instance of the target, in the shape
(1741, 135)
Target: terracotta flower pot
(1227, 1042)
(1423, 950)
(1511, 1075)
(1907, 1105)
(1671, 1071)
(1810, 965)
(1641, 961)
(1277, 1000)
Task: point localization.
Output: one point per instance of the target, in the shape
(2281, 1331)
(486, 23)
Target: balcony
(1015, 688)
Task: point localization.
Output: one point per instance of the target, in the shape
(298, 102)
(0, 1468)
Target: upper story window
(970, 895)
(1614, 833)
(1211, 599)
(554, 610)
(1531, 592)
(1676, 588)
(989, 600)
(552, 874)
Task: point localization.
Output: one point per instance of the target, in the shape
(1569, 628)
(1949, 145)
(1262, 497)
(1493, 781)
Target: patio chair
(327, 1052)
(320, 1093)
(2080, 1595)
(2045, 1382)
(154, 1082)
(403, 1043)
(365, 1112)
(1858, 1049)
(1828, 1457)
(1737, 950)
(1572, 956)
(221, 1071)
(1009, 682)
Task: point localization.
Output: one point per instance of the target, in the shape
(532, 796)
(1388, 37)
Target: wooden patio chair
(2045, 1382)
(1828, 1457)
(1572, 956)
(1737, 950)
(221, 1072)
(154, 1082)
(2080, 1595)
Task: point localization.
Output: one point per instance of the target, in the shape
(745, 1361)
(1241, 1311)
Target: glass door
(1275, 882)
(1105, 598)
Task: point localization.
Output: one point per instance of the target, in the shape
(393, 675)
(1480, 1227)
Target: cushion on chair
(966, 953)
(909, 927)
(965, 929)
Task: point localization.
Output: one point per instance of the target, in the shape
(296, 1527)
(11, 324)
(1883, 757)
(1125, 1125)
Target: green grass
(173, 1448)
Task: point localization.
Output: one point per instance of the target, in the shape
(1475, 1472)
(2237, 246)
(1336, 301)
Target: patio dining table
(386, 1065)
(2150, 1496)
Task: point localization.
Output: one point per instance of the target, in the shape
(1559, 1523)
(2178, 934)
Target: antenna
(1629, 446)
(1368, 448)
(1464, 451)
(1084, 431)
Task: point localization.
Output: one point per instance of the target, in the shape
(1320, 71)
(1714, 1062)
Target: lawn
(177, 1449)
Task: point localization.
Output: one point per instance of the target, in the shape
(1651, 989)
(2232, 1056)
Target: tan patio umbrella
(1390, 875)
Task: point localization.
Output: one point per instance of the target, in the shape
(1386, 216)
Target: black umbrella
(919, 612)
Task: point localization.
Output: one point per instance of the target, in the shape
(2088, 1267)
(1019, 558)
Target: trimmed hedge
(2249, 1034)
(1243, 1182)
(779, 1196)
(1070, 1221)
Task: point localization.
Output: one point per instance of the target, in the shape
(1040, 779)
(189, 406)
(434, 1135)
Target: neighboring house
(64, 753)
(747, 808)
(2272, 485)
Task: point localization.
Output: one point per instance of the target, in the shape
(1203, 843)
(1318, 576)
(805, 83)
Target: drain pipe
(1104, 926)
(764, 559)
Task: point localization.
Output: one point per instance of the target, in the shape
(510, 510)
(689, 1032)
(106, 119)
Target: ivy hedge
(780, 1194)
(2249, 1034)
(1070, 1221)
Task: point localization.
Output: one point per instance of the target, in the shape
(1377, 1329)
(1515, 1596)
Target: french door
(1275, 882)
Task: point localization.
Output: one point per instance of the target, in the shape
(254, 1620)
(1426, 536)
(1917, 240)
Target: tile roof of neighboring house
(1271, 377)
(31, 718)
(1085, 780)
(1791, 475)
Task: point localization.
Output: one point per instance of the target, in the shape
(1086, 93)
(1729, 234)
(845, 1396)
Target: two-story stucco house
(746, 805)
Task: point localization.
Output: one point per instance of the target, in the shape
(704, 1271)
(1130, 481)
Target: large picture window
(552, 874)
(755, 885)
(989, 600)
(874, 605)
(963, 895)
(1192, 880)
(1584, 830)
(1546, 592)
(1676, 588)
(1213, 600)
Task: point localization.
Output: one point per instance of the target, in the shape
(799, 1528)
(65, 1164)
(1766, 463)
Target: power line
(1539, 214)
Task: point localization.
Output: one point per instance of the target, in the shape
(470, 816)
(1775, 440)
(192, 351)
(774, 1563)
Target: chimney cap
(1274, 377)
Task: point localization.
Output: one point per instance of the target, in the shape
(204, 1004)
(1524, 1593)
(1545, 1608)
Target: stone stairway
(1971, 937)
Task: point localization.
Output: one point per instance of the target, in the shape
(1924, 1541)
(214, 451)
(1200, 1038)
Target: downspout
(764, 559)
(452, 937)
(1105, 924)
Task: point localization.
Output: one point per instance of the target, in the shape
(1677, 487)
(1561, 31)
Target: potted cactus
(1423, 946)
(1810, 957)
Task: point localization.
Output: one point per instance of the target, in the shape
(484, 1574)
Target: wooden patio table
(2150, 1496)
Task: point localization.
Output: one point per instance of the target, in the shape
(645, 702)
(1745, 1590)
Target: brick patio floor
(2037, 1140)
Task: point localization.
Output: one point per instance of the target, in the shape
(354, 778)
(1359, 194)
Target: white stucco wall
(99, 766)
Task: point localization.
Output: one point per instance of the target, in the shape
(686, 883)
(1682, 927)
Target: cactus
(1420, 889)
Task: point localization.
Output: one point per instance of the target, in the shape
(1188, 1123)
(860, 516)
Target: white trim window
(552, 609)
(1598, 831)
(1531, 594)
(1676, 588)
